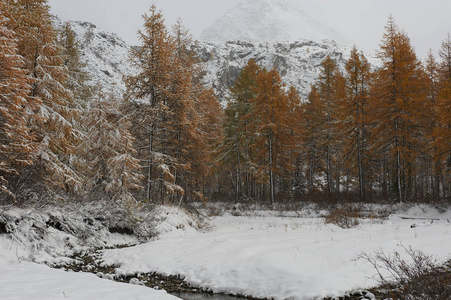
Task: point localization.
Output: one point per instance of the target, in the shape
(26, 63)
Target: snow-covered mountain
(105, 55)
(269, 21)
(297, 62)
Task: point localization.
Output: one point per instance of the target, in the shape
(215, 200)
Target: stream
(90, 262)
(206, 296)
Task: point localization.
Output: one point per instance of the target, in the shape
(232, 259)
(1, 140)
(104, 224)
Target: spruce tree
(235, 151)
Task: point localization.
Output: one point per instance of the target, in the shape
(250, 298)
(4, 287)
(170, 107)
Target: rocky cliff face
(106, 57)
(297, 62)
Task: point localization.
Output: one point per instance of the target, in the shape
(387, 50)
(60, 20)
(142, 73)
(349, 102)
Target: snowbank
(50, 235)
(25, 280)
(285, 258)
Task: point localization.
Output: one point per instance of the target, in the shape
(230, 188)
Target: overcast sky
(360, 21)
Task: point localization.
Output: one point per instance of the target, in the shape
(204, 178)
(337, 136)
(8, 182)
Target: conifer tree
(272, 129)
(432, 157)
(398, 90)
(107, 153)
(77, 76)
(37, 43)
(169, 102)
(443, 129)
(353, 118)
(330, 88)
(314, 120)
(235, 149)
(295, 181)
(17, 148)
(210, 131)
(192, 106)
(149, 93)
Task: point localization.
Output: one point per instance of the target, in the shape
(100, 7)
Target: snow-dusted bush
(415, 276)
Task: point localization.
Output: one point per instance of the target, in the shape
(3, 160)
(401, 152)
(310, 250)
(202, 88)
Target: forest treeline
(364, 133)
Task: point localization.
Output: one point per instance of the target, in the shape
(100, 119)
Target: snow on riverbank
(274, 257)
(32, 236)
(257, 253)
(25, 281)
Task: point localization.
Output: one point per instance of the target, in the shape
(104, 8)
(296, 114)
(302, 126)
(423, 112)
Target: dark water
(206, 296)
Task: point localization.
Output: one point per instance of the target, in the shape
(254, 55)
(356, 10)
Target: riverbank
(262, 254)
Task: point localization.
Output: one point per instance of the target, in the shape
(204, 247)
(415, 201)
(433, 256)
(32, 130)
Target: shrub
(416, 277)
(345, 216)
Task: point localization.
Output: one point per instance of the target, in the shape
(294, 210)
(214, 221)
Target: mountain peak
(268, 21)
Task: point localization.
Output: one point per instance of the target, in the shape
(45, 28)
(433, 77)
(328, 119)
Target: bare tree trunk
(271, 175)
(149, 165)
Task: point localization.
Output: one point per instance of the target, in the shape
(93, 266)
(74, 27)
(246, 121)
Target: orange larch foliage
(353, 119)
(330, 90)
(37, 43)
(17, 147)
(397, 94)
(272, 125)
(443, 110)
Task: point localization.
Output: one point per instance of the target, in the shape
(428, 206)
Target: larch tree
(149, 93)
(397, 92)
(443, 110)
(77, 74)
(107, 155)
(17, 147)
(271, 125)
(314, 120)
(432, 167)
(167, 101)
(192, 108)
(44, 61)
(211, 132)
(330, 89)
(353, 118)
(295, 181)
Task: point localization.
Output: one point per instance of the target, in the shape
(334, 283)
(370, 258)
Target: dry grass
(345, 216)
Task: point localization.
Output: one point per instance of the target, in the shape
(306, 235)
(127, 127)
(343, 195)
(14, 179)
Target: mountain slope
(106, 57)
(269, 21)
(298, 62)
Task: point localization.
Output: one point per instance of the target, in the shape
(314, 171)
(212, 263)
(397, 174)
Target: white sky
(360, 21)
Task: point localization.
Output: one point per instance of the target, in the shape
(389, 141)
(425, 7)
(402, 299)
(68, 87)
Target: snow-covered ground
(31, 281)
(285, 258)
(261, 254)
(51, 234)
